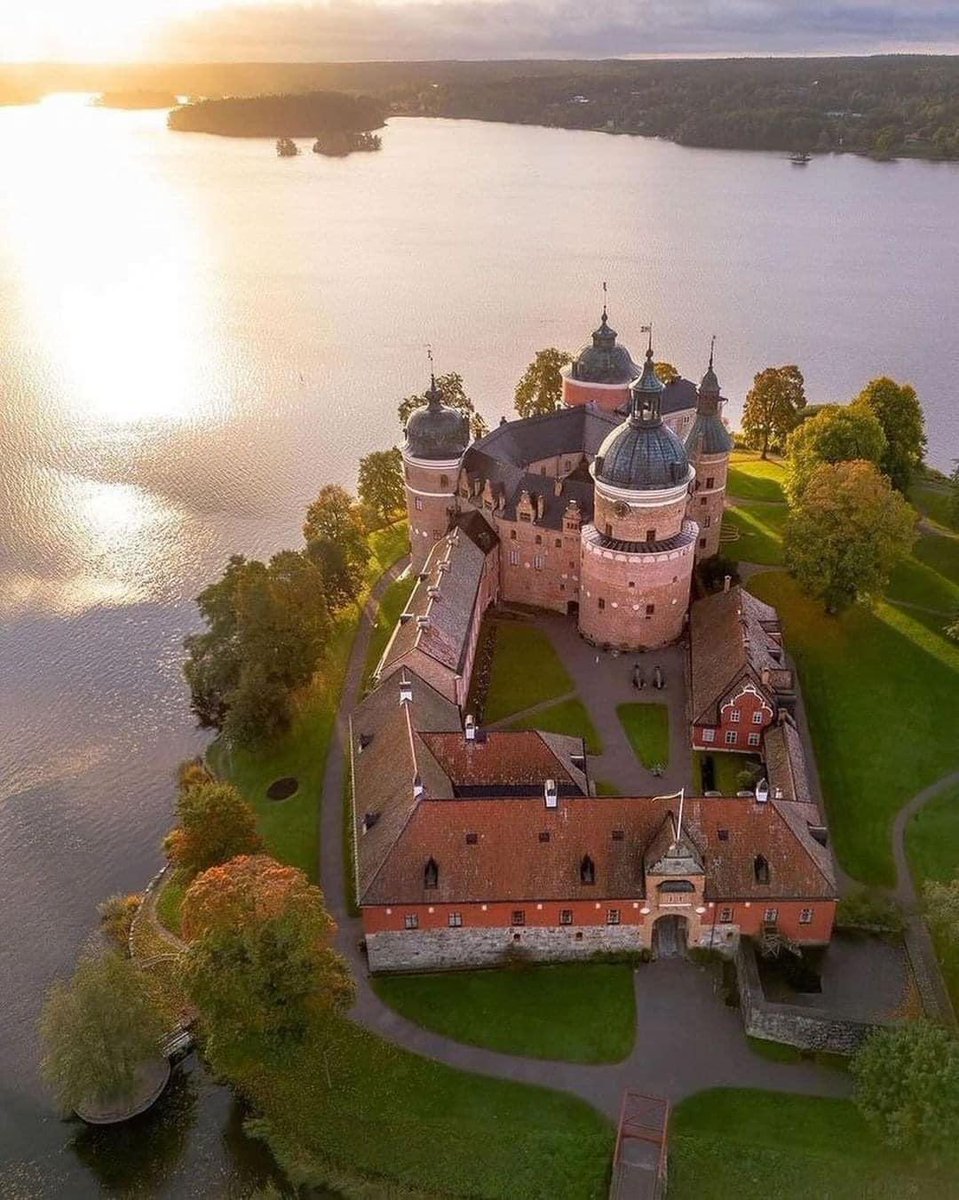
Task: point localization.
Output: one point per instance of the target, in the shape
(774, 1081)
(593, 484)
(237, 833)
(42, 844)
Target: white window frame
(758, 717)
(731, 738)
(613, 916)
(806, 916)
(418, 503)
(455, 920)
(709, 735)
(725, 916)
(735, 715)
(514, 558)
(771, 915)
(753, 739)
(411, 921)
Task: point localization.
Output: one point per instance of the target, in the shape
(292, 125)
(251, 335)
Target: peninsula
(304, 115)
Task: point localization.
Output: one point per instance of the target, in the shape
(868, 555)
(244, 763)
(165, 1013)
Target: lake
(195, 336)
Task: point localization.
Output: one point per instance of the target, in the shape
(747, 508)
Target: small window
(431, 874)
(456, 920)
(519, 916)
(734, 715)
(761, 869)
(444, 481)
(538, 561)
(725, 915)
(709, 735)
(753, 739)
(512, 535)
(558, 543)
(650, 535)
(758, 717)
(650, 609)
(631, 583)
(702, 543)
(472, 839)
(579, 935)
(619, 835)
(418, 503)
(723, 835)
(539, 539)
(525, 516)
(707, 521)
(411, 921)
(572, 565)
(542, 470)
(612, 916)
(710, 480)
(731, 737)
(608, 529)
(805, 917)
(601, 604)
(587, 870)
(566, 916)
(771, 916)
(562, 587)
(514, 558)
(702, 501)
(544, 835)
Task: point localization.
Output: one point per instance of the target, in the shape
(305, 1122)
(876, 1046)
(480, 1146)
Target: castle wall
(707, 502)
(606, 396)
(538, 566)
(430, 494)
(633, 520)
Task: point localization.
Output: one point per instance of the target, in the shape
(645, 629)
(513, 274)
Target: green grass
(941, 553)
(774, 1051)
(728, 768)
(760, 529)
(750, 478)
(570, 717)
(932, 844)
(393, 603)
(882, 695)
(916, 583)
(647, 727)
(169, 900)
(751, 1145)
(577, 1012)
(347, 1102)
(526, 670)
(933, 502)
(605, 787)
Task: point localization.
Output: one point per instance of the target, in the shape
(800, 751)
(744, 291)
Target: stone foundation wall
(804, 1028)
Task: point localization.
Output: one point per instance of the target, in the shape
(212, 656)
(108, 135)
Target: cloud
(344, 30)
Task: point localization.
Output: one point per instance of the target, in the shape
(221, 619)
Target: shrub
(869, 909)
(116, 917)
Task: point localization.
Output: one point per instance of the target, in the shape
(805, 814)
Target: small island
(339, 143)
(140, 98)
(307, 114)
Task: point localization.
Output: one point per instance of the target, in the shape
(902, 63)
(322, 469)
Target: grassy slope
(353, 1099)
(591, 1009)
(752, 1145)
(169, 901)
(933, 501)
(750, 478)
(647, 727)
(760, 528)
(882, 694)
(932, 843)
(526, 670)
(570, 717)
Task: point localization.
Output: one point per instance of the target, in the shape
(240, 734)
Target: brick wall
(707, 503)
(603, 395)
(430, 494)
(750, 701)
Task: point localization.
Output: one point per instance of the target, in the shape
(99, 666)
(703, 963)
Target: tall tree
(541, 388)
(381, 483)
(666, 371)
(98, 1030)
(772, 406)
(835, 434)
(846, 533)
(336, 542)
(899, 412)
(452, 390)
(215, 823)
(907, 1086)
(261, 962)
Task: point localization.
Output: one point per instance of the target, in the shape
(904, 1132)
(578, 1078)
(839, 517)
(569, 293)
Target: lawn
(393, 603)
(169, 900)
(346, 1105)
(760, 529)
(916, 583)
(577, 1012)
(882, 696)
(941, 553)
(752, 478)
(570, 717)
(933, 501)
(728, 768)
(932, 844)
(647, 727)
(291, 827)
(751, 1145)
(526, 670)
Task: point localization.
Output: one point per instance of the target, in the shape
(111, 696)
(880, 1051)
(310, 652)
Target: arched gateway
(670, 936)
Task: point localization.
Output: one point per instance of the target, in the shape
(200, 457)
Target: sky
(316, 30)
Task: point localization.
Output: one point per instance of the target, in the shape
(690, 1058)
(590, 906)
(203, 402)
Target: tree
(907, 1086)
(941, 906)
(261, 962)
(897, 408)
(450, 387)
(541, 388)
(116, 917)
(98, 1030)
(336, 543)
(772, 406)
(215, 824)
(846, 533)
(666, 372)
(381, 483)
(835, 434)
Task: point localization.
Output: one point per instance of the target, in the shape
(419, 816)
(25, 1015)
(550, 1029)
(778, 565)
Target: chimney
(762, 791)
(433, 592)
(470, 727)
(423, 622)
(418, 788)
(406, 692)
(551, 794)
(727, 582)
(405, 617)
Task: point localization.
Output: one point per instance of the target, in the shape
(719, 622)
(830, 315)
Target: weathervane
(712, 347)
(429, 355)
(604, 300)
(648, 329)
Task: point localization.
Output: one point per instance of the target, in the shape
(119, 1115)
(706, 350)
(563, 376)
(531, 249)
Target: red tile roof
(504, 759)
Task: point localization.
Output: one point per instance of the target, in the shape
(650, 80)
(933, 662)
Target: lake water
(195, 336)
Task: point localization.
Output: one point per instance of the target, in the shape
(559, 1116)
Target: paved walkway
(687, 1039)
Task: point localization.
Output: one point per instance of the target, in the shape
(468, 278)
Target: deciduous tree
(941, 906)
(666, 372)
(452, 390)
(261, 962)
(846, 533)
(907, 1086)
(98, 1030)
(772, 406)
(835, 434)
(381, 483)
(897, 408)
(336, 543)
(215, 824)
(541, 388)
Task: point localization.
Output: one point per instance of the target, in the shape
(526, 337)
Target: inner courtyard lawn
(570, 717)
(577, 1012)
(728, 768)
(932, 844)
(753, 478)
(526, 670)
(647, 727)
(347, 1104)
(752, 1145)
(882, 697)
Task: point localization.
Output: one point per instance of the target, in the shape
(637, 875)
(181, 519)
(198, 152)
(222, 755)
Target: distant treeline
(136, 99)
(302, 115)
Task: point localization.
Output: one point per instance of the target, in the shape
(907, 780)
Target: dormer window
(761, 869)
(587, 870)
(431, 875)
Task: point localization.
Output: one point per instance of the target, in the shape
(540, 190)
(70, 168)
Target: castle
(472, 844)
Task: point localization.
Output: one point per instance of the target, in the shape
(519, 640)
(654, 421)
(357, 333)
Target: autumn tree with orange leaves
(261, 964)
(215, 824)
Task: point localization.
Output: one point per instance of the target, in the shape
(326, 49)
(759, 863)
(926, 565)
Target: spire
(647, 391)
(604, 318)
(604, 336)
(434, 395)
(709, 387)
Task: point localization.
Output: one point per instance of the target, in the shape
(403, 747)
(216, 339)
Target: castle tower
(708, 445)
(637, 555)
(601, 373)
(436, 438)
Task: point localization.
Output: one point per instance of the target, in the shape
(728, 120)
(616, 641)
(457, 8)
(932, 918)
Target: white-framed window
(731, 737)
(456, 920)
(758, 717)
(514, 558)
(537, 562)
(805, 917)
(565, 916)
(771, 915)
(612, 916)
(418, 503)
(709, 735)
(734, 715)
(725, 915)
(754, 739)
(411, 921)
(519, 916)
(707, 521)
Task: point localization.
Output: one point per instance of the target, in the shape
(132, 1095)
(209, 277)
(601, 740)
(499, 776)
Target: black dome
(642, 457)
(604, 361)
(437, 431)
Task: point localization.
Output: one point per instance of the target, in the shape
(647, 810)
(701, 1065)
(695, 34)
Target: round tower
(638, 553)
(601, 372)
(708, 445)
(436, 438)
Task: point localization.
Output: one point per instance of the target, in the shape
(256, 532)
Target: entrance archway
(669, 937)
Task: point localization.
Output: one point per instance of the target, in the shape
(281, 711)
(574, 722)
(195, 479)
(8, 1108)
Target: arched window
(587, 870)
(444, 481)
(431, 874)
(761, 869)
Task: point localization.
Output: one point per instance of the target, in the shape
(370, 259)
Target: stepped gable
(733, 635)
(510, 859)
(510, 763)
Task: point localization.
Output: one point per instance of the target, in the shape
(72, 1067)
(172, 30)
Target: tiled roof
(732, 634)
(786, 762)
(510, 860)
(505, 762)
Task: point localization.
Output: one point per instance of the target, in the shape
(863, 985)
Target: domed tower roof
(643, 454)
(604, 361)
(708, 435)
(437, 431)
